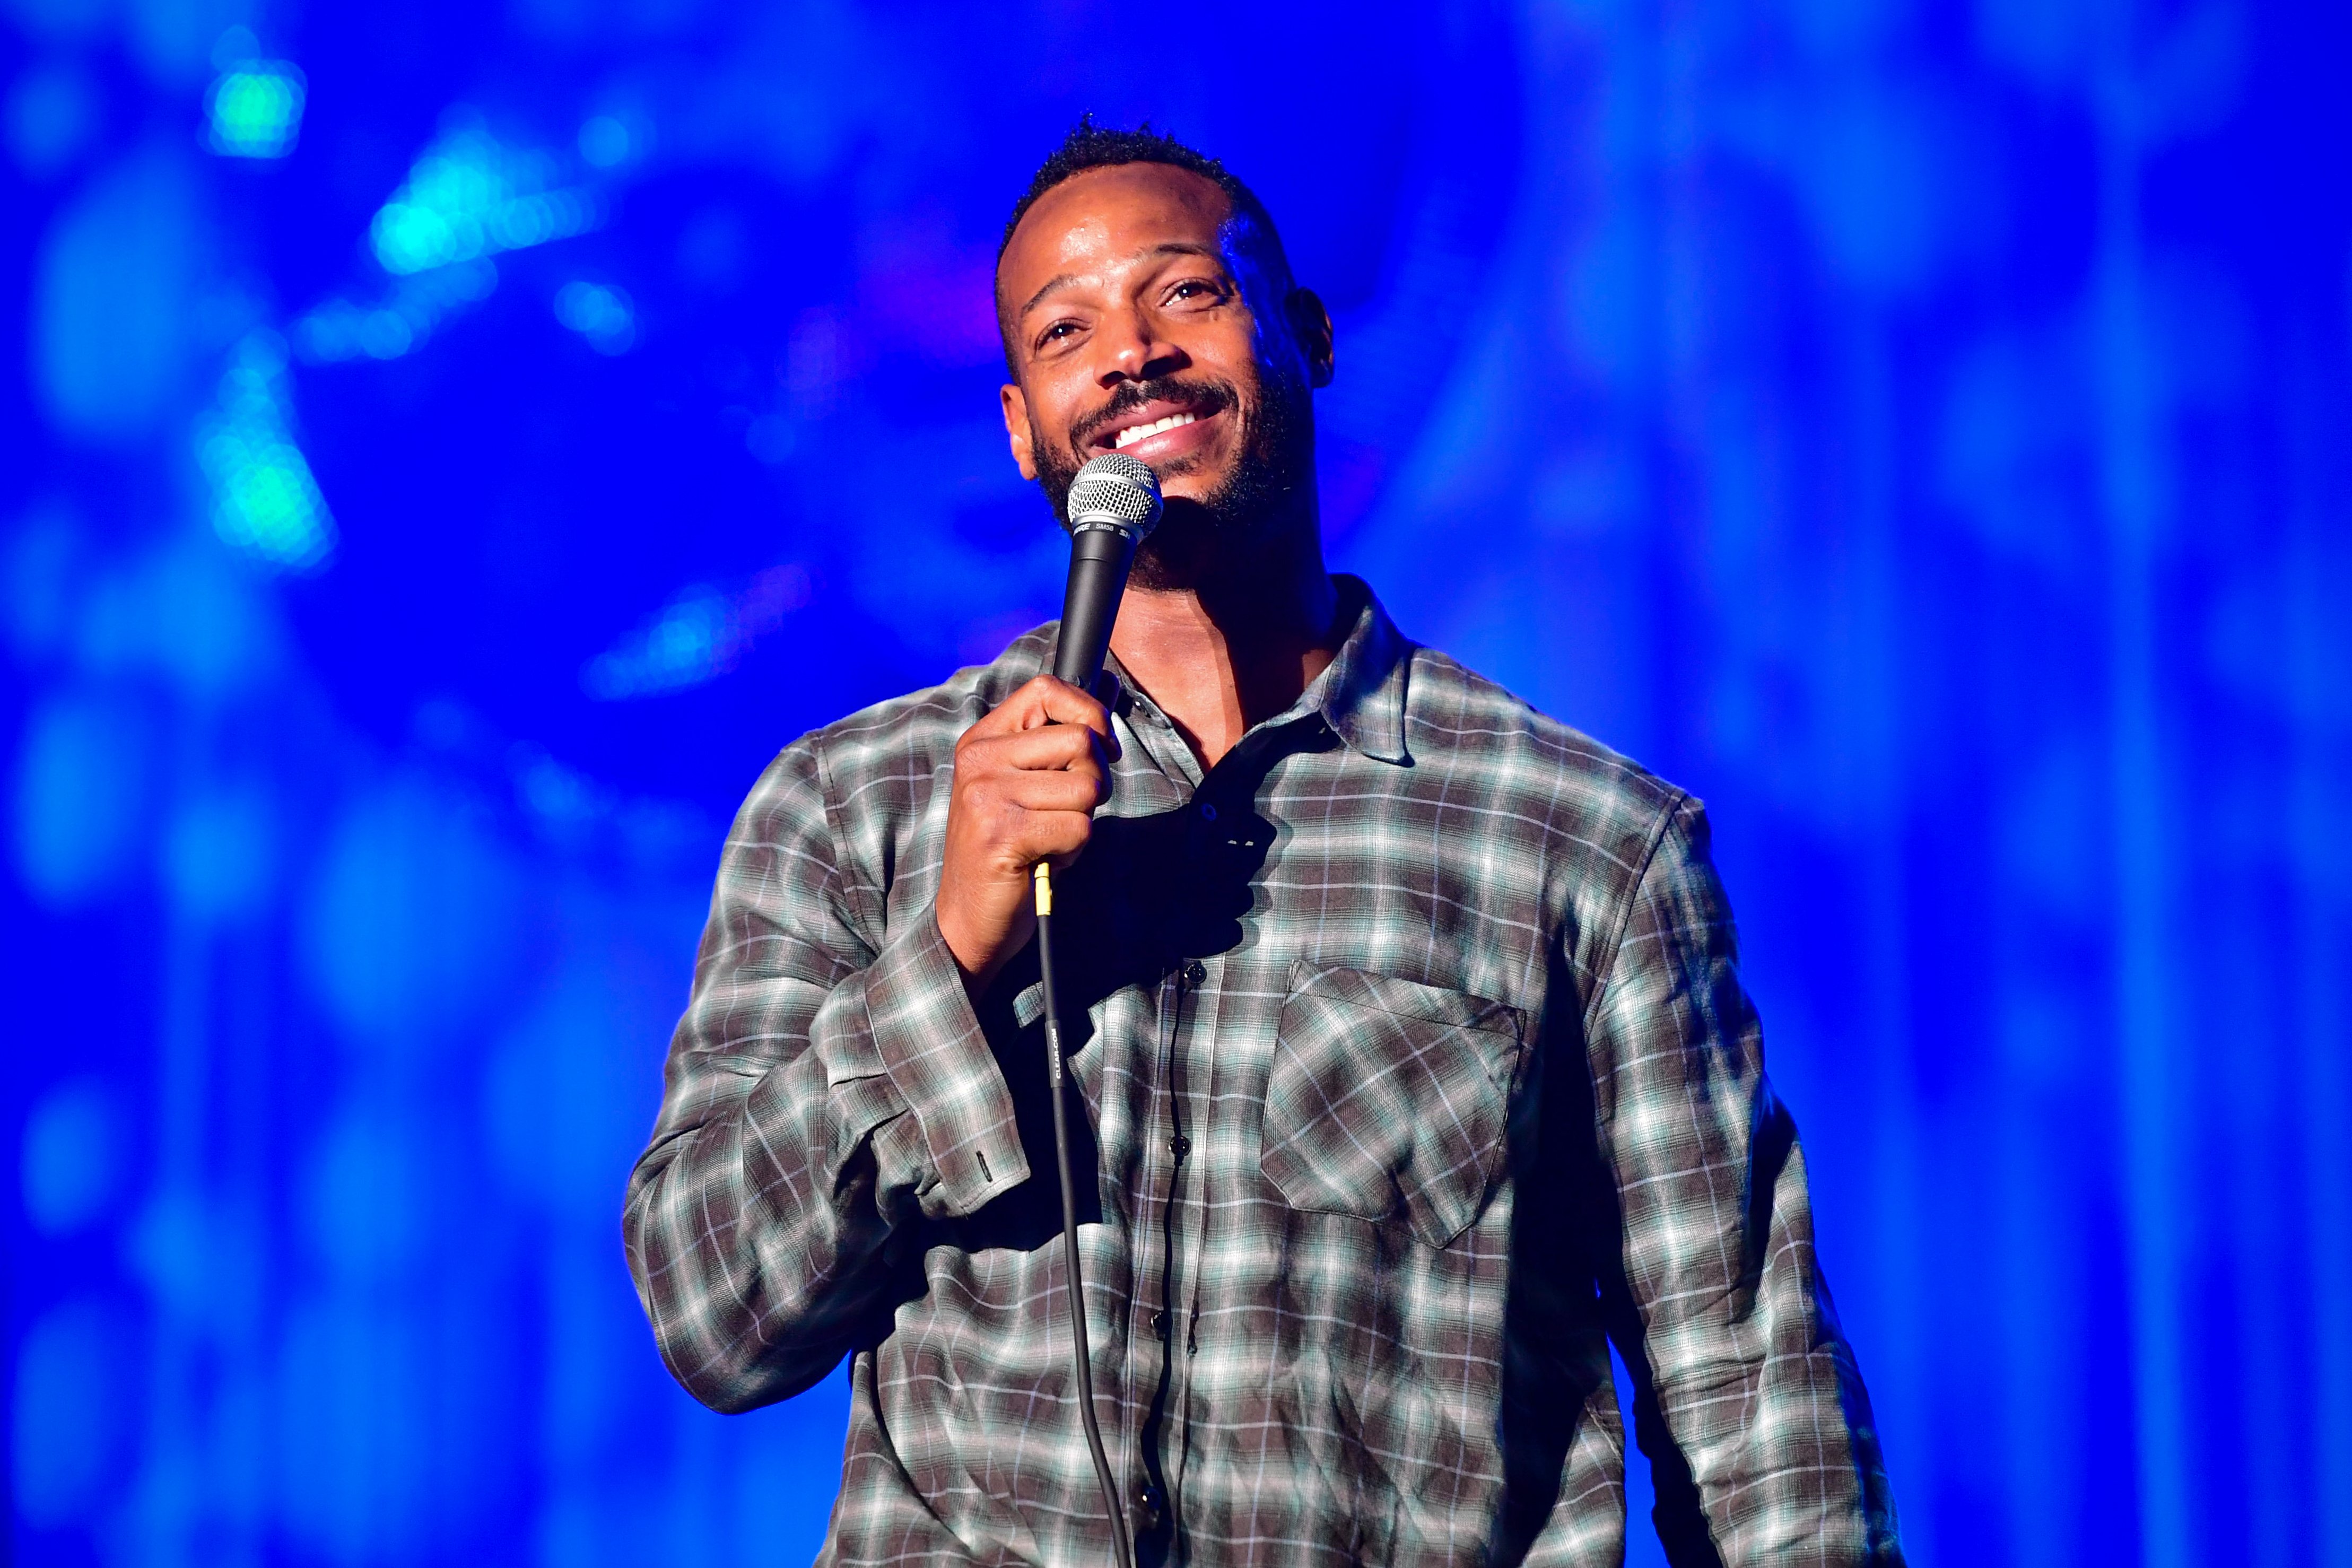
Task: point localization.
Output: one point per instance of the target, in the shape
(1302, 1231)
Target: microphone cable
(1114, 502)
(1080, 1363)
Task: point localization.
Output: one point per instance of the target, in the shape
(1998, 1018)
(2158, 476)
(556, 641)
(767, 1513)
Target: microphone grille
(1117, 491)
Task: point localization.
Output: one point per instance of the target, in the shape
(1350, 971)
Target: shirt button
(1208, 811)
(1150, 1508)
(1195, 973)
(1159, 1325)
(1179, 1145)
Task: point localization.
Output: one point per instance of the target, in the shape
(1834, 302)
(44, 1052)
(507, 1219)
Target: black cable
(1079, 1358)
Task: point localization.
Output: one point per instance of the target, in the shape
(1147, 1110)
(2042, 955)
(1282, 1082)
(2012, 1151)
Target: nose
(1133, 349)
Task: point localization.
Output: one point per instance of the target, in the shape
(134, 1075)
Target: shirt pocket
(1388, 1100)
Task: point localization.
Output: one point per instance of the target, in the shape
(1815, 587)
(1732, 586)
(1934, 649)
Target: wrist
(976, 962)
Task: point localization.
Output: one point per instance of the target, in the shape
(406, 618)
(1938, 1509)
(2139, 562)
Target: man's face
(1138, 320)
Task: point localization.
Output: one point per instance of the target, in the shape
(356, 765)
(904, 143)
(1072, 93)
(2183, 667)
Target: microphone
(1114, 503)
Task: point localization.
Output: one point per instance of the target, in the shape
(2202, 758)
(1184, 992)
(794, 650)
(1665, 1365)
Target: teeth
(1135, 432)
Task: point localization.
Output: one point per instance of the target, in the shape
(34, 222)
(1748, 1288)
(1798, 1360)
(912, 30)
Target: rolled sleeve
(821, 1093)
(939, 1061)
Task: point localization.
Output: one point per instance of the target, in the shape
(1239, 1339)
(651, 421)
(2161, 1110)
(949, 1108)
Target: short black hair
(1092, 146)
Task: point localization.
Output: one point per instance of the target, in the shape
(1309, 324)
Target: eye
(1195, 288)
(1056, 333)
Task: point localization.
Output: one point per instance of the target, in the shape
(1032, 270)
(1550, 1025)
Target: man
(1413, 1061)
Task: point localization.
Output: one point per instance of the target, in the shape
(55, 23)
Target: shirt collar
(1361, 694)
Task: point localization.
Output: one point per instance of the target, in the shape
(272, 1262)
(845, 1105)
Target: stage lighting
(700, 635)
(603, 315)
(255, 110)
(468, 196)
(265, 504)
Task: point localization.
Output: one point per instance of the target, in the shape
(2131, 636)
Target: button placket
(1158, 1273)
(1185, 984)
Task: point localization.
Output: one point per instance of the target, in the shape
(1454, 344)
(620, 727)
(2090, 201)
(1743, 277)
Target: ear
(1016, 429)
(1310, 327)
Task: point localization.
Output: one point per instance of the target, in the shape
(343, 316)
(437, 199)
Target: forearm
(1752, 1376)
(1760, 1391)
(759, 1222)
(755, 1235)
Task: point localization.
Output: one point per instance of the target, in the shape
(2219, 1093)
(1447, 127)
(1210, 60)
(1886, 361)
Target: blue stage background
(450, 447)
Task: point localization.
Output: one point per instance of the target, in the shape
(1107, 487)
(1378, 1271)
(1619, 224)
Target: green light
(265, 503)
(468, 196)
(256, 110)
(410, 238)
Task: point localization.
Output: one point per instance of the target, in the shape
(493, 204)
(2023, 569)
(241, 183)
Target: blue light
(220, 856)
(120, 270)
(339, 329)
(469, 195)
(365, 1199)
(70, 1410)
(564, 1097)
(81, 796)
(700, 636)
(255, 110)
(355, 1402)
(414, 920)
(687, 645)
(606, 317)
(265, 504)
(52, 114)
(72, 1158)
(42, 575)
(605, 142)
(200, 1259)
(184, 614)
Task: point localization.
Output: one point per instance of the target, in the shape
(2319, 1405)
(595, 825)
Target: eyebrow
(1174, 248)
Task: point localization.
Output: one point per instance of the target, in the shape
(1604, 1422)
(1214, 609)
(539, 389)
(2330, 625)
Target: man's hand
(1028, 779)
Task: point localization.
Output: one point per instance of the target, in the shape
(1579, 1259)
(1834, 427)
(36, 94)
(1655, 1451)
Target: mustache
(1204, 396)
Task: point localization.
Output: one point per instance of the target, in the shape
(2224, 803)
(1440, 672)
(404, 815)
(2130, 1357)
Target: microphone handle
(1099, 558)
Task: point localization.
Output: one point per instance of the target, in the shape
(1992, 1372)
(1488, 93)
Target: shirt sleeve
(1747, 1363)
(828, 1089)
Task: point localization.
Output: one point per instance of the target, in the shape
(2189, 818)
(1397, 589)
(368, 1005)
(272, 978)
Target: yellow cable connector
(1043, 875)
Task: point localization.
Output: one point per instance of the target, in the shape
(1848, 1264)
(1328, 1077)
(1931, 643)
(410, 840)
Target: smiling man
(1416, 1063)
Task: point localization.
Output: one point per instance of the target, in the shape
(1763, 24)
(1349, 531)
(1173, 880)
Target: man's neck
(1233, 645)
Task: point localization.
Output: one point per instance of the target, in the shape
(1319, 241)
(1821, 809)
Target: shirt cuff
(941, 1064)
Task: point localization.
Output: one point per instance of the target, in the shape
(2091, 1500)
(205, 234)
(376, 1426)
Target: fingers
(1055, 836)
(1042, 701)
(1028, 777)
(1060, 748)
(1018, 789)
(1062, 703)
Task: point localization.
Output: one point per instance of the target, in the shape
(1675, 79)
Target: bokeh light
(470, 196)
(256, 110)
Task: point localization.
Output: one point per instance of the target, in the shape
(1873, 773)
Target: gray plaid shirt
(1416, 1067)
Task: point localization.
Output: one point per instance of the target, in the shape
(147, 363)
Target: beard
(1250, 504)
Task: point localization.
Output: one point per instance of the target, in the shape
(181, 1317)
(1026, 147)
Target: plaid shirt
(1416, 1066)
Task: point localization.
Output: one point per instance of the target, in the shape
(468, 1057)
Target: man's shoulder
(1483, 734)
